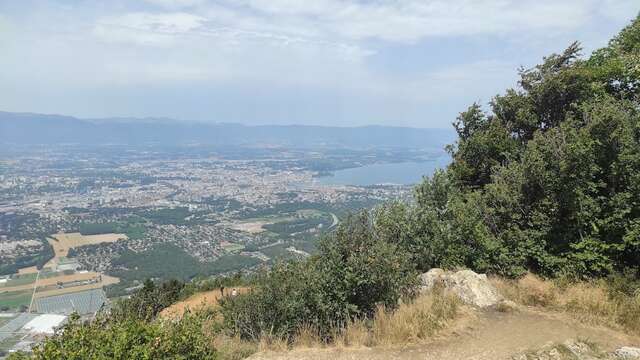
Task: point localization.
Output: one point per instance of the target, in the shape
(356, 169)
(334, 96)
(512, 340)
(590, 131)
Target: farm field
(27, 282)
(15, 299)
(62, 242)
(28, 270)
(43, 282)
(198, 301)
(231, 247)
(20, 291)
(252, 227)
(18, 280)
(68, 290)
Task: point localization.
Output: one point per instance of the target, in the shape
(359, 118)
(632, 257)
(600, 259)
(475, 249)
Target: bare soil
(62, 242)
(198, 301)
(491, 336)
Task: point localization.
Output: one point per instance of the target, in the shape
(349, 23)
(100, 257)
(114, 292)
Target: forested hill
(28, 128)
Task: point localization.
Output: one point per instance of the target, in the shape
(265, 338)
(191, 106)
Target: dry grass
(270, 342)
(529, 290)
(233, 348)
(590, 302)
(410, 323)
(414, 322)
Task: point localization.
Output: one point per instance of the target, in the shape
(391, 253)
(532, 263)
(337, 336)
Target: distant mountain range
(29, 128)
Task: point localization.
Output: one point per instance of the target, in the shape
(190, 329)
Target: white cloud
(413, 20)
(147, 28)
(401, 52)
(175, 4)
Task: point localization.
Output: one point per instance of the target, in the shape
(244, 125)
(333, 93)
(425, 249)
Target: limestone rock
(570, 349)
(628, 352)
(473, 289)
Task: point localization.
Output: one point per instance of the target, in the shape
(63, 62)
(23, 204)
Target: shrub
(130, 339)
(147, 302)
(354, 272)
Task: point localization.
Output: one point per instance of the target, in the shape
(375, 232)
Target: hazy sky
(396, 62)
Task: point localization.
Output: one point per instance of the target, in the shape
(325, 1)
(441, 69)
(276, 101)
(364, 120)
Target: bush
(129, 339)
(147, 302)
(354, 272)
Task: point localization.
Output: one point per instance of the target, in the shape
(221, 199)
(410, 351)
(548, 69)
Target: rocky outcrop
(627, 352)
(578, 350)
(472, 288)
(570, 349)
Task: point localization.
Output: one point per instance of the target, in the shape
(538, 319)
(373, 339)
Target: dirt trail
(492, 336)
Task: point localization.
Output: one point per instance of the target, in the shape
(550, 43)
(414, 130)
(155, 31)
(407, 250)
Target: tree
(548, 181)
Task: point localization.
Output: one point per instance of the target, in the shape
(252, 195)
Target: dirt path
(492, 336)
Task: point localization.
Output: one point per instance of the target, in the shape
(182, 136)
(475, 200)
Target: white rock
(431, 278)
(473, 289)
(628, 352)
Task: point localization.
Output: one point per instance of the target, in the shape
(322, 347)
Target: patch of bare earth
(490, 335)
(208, 299)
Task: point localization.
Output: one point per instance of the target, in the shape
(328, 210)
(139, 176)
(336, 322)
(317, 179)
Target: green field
(233, 247)
(20, 280)
(278, 251)
(14, 299)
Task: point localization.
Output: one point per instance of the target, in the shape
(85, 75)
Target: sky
(411, 63)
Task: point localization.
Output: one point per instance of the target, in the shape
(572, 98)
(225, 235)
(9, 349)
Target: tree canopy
(547, 180)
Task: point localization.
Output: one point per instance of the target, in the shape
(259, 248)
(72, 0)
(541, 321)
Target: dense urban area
(93, 222)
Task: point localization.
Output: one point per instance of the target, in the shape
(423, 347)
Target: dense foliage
(548, 181)
(354, 271)
(127, 339)
(147, 302)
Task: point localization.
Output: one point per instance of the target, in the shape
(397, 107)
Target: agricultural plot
(232, 247)
(57, 281)
(62, 242)
(28, 270)
(75, 283)
(18, 280)
(82, 302)
(252, 227)
(13, 300)
(54, 291)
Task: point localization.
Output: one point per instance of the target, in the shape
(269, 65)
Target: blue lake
(397, 173)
